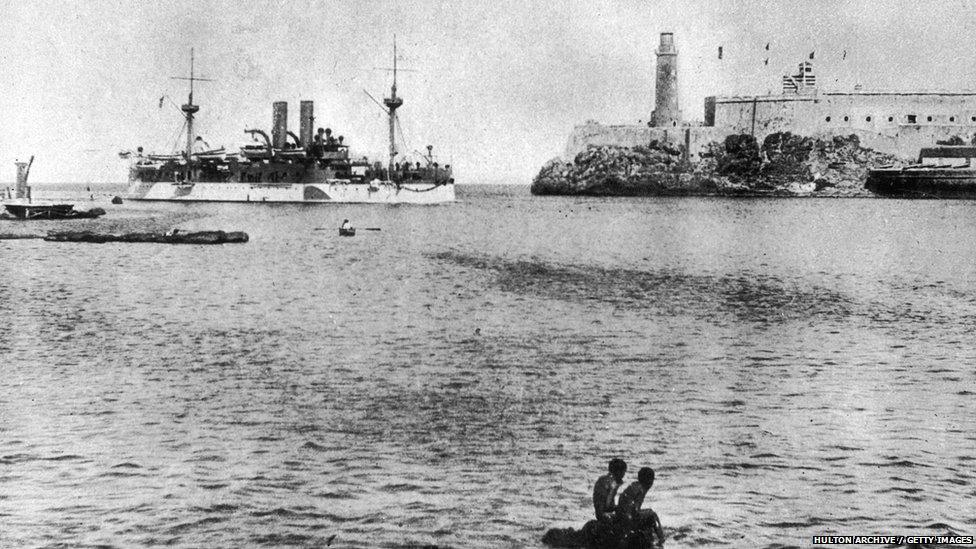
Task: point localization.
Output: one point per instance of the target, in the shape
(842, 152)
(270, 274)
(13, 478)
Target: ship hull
(337, 191)
(923, 183)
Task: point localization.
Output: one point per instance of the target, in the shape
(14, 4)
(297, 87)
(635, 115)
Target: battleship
(286, 167)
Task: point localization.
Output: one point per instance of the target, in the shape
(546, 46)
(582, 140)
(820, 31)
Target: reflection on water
(789, 367)
(747, 296)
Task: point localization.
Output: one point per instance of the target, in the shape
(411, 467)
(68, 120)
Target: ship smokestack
(306, 121)
(279, 124)
(666, 111)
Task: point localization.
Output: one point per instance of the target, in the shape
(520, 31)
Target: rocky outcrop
(840, 166)
(737, 157)
(655, 169)
(596, 535)
(785, 165)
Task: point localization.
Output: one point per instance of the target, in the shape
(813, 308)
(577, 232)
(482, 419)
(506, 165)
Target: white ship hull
(338, 191)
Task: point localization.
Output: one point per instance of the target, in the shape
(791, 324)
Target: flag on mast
(720, 52)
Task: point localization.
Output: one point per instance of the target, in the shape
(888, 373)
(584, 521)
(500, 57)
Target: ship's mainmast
(393, 103)
(189, 109)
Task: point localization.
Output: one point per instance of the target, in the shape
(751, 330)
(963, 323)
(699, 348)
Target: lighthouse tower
(666, 113)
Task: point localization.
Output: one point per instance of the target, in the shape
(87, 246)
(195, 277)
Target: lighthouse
(666, 113)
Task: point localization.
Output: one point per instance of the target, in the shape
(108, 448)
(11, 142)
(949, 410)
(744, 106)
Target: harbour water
(460, 378)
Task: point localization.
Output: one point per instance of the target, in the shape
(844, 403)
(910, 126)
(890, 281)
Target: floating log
(175, 237)
(9, 236)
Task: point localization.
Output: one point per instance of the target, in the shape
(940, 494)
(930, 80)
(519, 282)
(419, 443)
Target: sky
(496, 87)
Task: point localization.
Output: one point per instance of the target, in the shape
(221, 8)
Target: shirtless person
(632, 498)
(605, 491)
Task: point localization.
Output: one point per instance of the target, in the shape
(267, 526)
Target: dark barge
(941, 172)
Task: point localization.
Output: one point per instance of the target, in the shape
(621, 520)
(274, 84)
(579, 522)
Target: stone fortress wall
(898, 123)
(696, 138)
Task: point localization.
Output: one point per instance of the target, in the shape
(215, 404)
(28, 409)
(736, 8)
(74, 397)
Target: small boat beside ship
(50, 211)
(286, 167)
(945, 171)
(20, 203)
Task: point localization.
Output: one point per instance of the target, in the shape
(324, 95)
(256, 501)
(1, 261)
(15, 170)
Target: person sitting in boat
(629, 511)
(346, 225)
(605, 491)
(607, 525)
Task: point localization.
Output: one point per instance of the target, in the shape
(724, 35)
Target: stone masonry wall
(903, 141)
(881, 121)
(593, 133)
